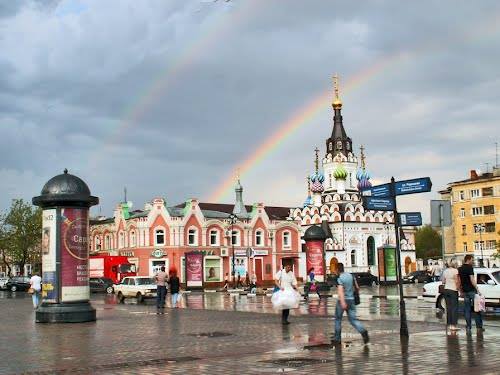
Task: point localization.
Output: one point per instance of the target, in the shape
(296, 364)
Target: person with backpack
(348, 297)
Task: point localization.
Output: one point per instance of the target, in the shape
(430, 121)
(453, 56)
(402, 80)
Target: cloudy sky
(168, 98)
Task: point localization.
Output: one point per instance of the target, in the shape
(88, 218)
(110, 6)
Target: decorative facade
(160, 235)
(334, 202)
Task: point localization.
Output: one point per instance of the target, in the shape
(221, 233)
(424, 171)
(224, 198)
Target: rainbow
(221, 23)
(298, 119)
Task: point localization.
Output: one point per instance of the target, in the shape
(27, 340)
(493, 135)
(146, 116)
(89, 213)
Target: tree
(3, 244)
(20, 234)
(427, 243)
(497, 254)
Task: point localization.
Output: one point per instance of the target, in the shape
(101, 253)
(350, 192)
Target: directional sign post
(379, 191)
(417, 185)
(409, 219)
(380, 204)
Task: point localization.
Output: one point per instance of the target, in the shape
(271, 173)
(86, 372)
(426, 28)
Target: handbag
(277, 288)
(31, 291)
(441, 288)
(357, 300)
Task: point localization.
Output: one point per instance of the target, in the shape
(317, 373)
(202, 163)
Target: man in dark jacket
(174, 287)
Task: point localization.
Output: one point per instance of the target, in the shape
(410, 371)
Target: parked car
(488, 283)
(18, 283)
(417, 277)
(140, 287)
(101, 284)
(365, 278)
(3, 282)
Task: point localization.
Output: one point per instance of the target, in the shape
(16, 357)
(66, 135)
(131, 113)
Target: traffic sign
(379, 191)
(379, 204)
(417, 185)
(407, 219)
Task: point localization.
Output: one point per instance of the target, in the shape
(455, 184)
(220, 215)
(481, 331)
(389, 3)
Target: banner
(194, 269)
(314, 257)
(390, 264)
(49, 280)
(74, 254)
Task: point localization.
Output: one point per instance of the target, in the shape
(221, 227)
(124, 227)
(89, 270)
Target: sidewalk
(131, 339)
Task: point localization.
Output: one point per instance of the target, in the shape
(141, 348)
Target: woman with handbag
(451, 286)
(35, 289)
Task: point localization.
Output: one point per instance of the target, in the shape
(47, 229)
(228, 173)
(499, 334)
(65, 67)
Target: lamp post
(232, 219)
(480, 228)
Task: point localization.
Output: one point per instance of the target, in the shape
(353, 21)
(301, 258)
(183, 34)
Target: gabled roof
(274, 213)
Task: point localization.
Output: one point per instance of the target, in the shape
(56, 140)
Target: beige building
(475, 206)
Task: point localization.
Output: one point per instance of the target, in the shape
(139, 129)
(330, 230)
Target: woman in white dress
(286, 297)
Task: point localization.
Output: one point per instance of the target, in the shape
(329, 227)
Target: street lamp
(232, 219)
(480, 228)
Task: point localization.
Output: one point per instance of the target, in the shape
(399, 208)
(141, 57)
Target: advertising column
(315, 258)
(50, 287)
(194, 270)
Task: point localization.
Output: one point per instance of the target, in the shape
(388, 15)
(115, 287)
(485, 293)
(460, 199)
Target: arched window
(159, 237)
(370, 251)
(133, 239)
(107, 242)
(287, 239)
(97, 243)
(353, 257)
(192, 237)
(259, 238)
(235, 238)
(214, 237)
(121, 240)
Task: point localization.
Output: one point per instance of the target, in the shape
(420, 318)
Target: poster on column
(49, 280)
(194, 269)
(74, 255)
(314, 257)
(390, 264)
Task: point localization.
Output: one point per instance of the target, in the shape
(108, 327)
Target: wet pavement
(233, 334)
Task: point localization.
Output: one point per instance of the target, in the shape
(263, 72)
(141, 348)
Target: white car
(140, 287)
(488, 283)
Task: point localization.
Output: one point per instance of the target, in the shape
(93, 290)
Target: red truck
(114, 267)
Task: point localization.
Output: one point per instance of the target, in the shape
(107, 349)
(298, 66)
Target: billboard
(314, 257)
(194, 269)
(74, 254)
(50, 289)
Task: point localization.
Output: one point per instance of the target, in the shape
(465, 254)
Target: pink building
(160, 235)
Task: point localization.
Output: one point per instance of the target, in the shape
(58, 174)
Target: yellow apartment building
(475, 206)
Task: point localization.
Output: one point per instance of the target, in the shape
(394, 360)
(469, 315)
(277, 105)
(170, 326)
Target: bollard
(65, 200)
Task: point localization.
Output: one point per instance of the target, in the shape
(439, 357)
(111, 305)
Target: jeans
(451, 298)
(175, 299)
(161, 292)
(468, 309)
(351, 315)
(36, 298)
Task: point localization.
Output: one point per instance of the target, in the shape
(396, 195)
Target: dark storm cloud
(81, 91)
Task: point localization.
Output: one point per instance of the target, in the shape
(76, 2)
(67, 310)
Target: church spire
(239, 207)
(339, 142)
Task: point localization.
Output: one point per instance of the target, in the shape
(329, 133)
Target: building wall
(466, 214)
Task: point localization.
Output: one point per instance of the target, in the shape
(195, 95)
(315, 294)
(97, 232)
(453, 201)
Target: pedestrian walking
(451, 283)
(469, 290)
(286, 297)
(253, 284)
(174, 283)
(35, 289)
(226, 281)
(312, 287)
(346, 287)
(238, 282)
(161, 290)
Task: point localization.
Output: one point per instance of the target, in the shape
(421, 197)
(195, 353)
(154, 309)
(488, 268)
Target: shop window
(213, 267)
(159, 237)
(259, 238)
(192, 237)
(214, 237)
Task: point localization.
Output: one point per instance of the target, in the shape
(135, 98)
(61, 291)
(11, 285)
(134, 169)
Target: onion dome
(314, 233)
(340, 173)
(364, 184)
(317, 187)
(317, 176)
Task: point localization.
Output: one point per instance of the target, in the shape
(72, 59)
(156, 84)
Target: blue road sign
(407, 219)
(379, 204)
(417, 185)
(379, 191)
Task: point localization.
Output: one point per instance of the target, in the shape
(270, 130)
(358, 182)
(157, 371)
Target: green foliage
(20, 234)
(427, 243)
(497, 254)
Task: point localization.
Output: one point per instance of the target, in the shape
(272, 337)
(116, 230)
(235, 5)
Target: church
(334, 202)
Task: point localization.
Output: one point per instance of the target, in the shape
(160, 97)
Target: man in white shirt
(285, 280)
(36, 285)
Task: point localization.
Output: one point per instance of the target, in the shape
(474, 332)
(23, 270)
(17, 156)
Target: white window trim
(221, 271)
(261, 238)
(217, 239)
(134, 242)
(238, 238)
(195, 229)
(121, 240)
(107, 241)
(285, 246)
(164, 236)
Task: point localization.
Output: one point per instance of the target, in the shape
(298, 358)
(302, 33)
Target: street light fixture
(480, 228)
(232, 219)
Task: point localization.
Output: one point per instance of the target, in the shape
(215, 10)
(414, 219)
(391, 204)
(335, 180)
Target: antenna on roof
(125, 194)
(496, 154)
(487, 167)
